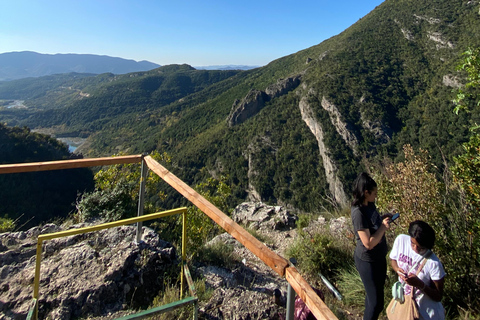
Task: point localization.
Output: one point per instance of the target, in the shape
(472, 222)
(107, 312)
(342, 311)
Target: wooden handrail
(67, 164)
(311, 299)
(273, 260)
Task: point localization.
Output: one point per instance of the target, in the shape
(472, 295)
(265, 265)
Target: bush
(6, 225)
(320, 253)
(411, 186)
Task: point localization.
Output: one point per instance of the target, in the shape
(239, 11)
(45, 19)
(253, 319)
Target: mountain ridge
(24, 64)
(371, 89)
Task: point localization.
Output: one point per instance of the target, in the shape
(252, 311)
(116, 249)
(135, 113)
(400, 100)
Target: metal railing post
(36, 284)
(141, 199)
(291, 296)
(184, 252)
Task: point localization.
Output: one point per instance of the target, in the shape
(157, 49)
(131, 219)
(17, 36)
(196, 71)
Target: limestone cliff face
(335, 185)
(255, 100)
(341, 126)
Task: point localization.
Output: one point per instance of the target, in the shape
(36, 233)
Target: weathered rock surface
(84, 275)
(255, 100)
(283, 86)
(259, 215)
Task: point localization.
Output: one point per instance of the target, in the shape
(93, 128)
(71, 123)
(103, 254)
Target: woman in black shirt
(371, 248)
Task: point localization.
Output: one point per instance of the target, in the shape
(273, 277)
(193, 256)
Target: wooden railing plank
(311, 299)
(270, 258)
(67, 164)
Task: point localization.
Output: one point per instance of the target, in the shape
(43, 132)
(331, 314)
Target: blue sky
(199, 33)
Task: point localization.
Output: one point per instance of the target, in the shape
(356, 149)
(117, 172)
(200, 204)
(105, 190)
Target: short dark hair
(363, 183)
(423, 233)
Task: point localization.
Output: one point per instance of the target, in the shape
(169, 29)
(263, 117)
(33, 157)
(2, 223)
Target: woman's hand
(386, 222)
(414, 281)
(401, 273)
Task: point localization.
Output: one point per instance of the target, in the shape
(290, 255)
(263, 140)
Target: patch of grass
(261, 237)
(218, 254)
(304, 220)
(350, 286)
(172, 294)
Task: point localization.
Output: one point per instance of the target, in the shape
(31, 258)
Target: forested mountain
(17, 65)
(296, 131)
(35, 197)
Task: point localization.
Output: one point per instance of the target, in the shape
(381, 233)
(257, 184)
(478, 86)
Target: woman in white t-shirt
(428, 285)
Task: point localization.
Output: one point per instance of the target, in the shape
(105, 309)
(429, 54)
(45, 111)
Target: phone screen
(395, 216)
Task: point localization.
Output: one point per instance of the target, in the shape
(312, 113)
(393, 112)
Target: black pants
(373, 276)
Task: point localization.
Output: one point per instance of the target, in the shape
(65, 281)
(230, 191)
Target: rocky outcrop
(440, 41)
(84, 275)
(451, 81)
(259, 215)
(335, 185)
(255, 100)
(343, 128)
(283, 86)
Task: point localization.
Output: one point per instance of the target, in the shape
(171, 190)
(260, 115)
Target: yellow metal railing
(66, 233)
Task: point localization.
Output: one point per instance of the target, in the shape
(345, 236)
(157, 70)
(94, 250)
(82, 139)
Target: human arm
(396, 268)
(435, 291)
(369, 241)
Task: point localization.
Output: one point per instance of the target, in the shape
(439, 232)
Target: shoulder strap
(425, 258)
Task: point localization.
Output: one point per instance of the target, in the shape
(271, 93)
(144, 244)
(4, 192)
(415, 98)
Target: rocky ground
(102, 275)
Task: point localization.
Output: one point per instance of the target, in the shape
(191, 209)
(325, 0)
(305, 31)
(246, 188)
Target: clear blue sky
(200, 33)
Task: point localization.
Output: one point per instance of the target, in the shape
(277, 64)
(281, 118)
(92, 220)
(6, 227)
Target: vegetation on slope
(36, 197)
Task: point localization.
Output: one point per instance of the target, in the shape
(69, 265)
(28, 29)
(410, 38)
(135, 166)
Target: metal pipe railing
(71, 232)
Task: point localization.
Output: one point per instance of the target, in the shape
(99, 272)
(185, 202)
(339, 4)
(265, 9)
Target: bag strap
(424, 261)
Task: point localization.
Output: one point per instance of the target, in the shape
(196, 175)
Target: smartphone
(395, 216)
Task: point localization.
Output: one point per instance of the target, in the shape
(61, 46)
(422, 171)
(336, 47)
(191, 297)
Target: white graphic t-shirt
(403, 253)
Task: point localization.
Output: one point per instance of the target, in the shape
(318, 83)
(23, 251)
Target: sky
(199, 33)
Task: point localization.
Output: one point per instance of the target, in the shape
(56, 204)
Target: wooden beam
(67, 164)
(311, 299)
(274, 261)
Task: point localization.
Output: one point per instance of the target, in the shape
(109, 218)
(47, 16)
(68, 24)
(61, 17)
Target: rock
(253, 102)
(260, 216)
(240, 304)
(85, 275)
(283, 86)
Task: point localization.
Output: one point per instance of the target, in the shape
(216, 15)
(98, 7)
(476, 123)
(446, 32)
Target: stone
(83, 275)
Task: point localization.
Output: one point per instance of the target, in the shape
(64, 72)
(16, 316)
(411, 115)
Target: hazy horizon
(250, 33)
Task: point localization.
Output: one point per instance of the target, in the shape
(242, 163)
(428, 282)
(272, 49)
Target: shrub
(6, 225)
(412, 188)
(320, 253)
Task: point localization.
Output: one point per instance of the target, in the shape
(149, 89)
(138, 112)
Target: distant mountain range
(25, 64)
(226, 67)
(18, 65)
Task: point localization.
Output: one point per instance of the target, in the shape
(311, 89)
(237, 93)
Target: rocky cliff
(86, 275)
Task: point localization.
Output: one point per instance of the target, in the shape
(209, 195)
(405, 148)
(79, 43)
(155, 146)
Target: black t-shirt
(367, 217)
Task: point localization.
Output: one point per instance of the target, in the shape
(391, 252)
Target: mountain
(37, 197)
(226, 67)
(296, 131)
(17, 65)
